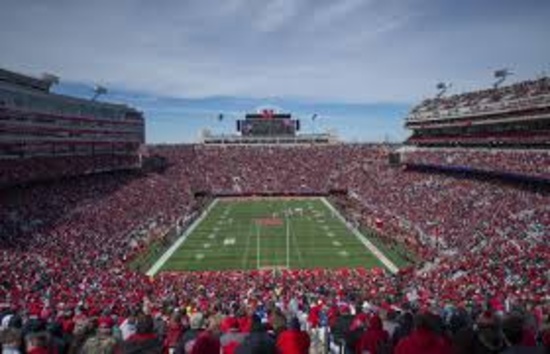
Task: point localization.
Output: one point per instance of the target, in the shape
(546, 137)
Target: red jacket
(293, 341)
(228, 323)
(373, 337)
(173, 334)
(422, 341)
(206, 343)
(231, 348)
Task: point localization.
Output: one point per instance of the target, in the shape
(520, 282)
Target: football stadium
(270, 232)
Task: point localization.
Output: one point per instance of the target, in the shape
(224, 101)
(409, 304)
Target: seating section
(518, 96)
(533, 163)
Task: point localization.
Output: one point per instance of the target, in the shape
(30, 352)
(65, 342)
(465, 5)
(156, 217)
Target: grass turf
(230, 237)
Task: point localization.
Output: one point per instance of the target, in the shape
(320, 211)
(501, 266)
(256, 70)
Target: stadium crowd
(16, 171)
(479, 101)
(534, 163)
(483, 286)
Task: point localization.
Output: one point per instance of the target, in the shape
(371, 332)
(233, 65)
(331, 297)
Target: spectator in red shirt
(423, 339)
(293, 340)
(373, 337)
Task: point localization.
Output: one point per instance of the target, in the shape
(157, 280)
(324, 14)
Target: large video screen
(267, 127)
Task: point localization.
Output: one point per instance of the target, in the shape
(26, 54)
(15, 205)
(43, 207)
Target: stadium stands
(480, 247)
(45, 135)
(66, 245)
(533, 163)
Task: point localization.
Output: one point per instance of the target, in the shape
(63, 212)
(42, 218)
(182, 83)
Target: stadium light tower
(501, 75)
(50, 79)
(442, 88)
(98, 91)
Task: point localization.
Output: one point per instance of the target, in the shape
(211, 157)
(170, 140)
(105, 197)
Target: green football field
(270, 233)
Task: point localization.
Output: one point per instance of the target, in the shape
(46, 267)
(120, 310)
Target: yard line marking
(176, 245)
(374, 250)
(295, 239)
(247, 248)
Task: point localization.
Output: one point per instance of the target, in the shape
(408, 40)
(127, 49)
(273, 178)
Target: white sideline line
(160, 262)
(374, 250)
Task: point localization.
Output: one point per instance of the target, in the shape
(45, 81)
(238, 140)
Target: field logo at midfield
(269, 222)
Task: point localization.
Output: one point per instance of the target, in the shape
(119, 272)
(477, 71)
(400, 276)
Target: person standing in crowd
(485, 338)
(174, 332)
(144, 340)
(258, 340)
(11, 341)
(403, 329)
(374, 338)
(423, 339)
(37, 343)
(513, 329)
(233, 338)
(187, 341)
(208, 342)
(103, 342)
(293, 340)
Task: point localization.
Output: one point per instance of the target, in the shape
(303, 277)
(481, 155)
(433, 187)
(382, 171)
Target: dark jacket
(468, 341)
(142, 344)
(186, 341)
(257, 342)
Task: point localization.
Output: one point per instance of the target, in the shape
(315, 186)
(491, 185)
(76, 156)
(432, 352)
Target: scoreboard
(268, 123)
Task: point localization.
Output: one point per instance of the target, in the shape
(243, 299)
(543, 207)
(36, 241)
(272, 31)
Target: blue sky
(359, 64)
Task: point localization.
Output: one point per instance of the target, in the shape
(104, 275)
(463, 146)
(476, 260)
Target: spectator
(174, 332)
(231, 340)
(189, 338)
(423, 339)
(374, 338)
(37, 343)
(486, 339)
(144, 340)
(293, 340)
(103, 342)
(208, 341)
(11, 341)
(513, 328)
(258, 340)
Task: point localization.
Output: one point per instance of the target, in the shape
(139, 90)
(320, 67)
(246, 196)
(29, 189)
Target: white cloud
(276, 14)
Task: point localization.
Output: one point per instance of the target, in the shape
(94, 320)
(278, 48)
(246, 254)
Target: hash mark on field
(199, 256)
(325, 227)
(206, 245)
(330, 234)
(336, 243)
(212, 236)
(343, 253)
(229, 241)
